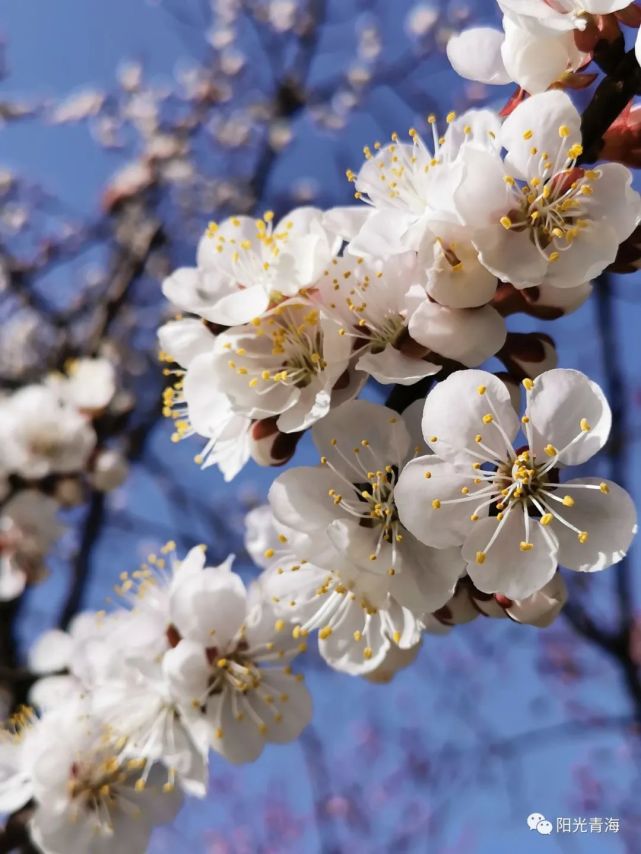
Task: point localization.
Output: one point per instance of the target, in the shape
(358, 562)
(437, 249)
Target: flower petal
(476, 55)
(610, 520)
(359, 436)
(420, 502)
(559, 404)
(536, 122)
(392, 366)
(466, 335)
(506, 568)
(454, 416)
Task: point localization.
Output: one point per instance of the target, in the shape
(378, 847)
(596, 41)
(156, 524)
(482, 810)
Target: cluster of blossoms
(288, 320)
(132, 702)
(541, 43)
(51, 451)
(418, 516)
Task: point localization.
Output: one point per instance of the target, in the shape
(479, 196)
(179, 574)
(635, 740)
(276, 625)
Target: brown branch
(609, 100)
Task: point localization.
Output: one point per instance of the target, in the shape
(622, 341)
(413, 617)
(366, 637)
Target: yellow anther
(585, 425)
(474, 518)
(527, 134)
(482, 389)
(427, 475)
(605, 489)
(506, 222)
(480, 557)
(325, 632)
(487, 419)
(268, 553)
(546, 518)
(582, 537)
(279, 625)
(357, 635)
(550, 450)
(564, 131)
(525, 546)
(368, 652)
(568, 501)
(436, 504)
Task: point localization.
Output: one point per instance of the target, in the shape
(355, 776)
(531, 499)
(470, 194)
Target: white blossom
(286, 363)
(244, 265)
(505, 507)
(42, 434)
(88, 384)
(395, 328)
(537, 217)
(232, 666)
(343, 511)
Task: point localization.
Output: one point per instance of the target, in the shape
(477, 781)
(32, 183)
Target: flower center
(554, 204)
(252, 258)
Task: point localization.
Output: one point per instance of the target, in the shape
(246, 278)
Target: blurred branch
(617, 643)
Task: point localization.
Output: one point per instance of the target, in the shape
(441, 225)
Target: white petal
(395, 660)
(52, 651)
(15, 780)
(542, 608)
(209, 607)
(535, 61)
(378, 433)
(476, 55)
(466, 335)
(483, 197)
(358, 543)
(536, 122)
(506, 568)
(591, 251)
(615, 201)
(52, 691)
(239, 306)
(347, 221)
(429, 580)
(470, 286)
(295, 711)
(185, 339)
(454, 413)
(384, 233)
(392, 366)
(418, 498)
(299, 497)
(342, 652)
(559, 402)
(511, 256)
(610, 521)
(186, 668)
(260, 534)
(241, 740)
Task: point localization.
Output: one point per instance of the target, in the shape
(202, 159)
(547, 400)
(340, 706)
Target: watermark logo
(537, 821)
(564, 824)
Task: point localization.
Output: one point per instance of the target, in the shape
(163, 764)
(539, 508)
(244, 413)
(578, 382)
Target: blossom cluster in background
(53, 449)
